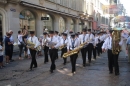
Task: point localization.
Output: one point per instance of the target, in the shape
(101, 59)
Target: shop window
(27, 20)
(47, 24)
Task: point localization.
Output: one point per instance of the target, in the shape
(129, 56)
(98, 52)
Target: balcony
(13, 1)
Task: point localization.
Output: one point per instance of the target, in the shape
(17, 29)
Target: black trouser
(33, 55)
(46, 49)
(100, 46)
(52, 53)
(83, 52)
(113, 62)
(20, 49)
(11, 51)
(73, 62)
(56, 53)
(64, 50)
(94, 52)
(98, 49)
(90, 49)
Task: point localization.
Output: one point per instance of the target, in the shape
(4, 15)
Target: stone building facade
(60, 15)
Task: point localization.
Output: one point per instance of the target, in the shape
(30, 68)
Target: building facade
(60, 15)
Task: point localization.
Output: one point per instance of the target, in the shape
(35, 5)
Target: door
(1, 35)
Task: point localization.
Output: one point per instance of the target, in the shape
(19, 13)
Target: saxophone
(116, 36)
(75, 51)
(62, 46)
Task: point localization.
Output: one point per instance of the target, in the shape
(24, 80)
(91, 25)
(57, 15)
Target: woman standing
(21, 44)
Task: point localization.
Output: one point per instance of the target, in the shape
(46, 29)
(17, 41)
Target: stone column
(39, 25)
(56, 22)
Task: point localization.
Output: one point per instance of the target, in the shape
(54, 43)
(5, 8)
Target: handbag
(22, 43)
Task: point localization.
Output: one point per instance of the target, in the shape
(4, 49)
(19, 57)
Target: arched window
(27, 20)
(1, 35)
(61, 24)
(47, 24)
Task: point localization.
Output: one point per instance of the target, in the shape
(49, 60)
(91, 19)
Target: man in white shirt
(45, 45)
(11, 46)
(33, 51)
(112, 58)
(90, 39)
(53, 46)
(73, 43)
(83, 39)
(64, 41)
(58, 37)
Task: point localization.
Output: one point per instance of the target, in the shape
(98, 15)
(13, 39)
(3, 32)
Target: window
(27, 20)
(61, 25)
(47, 24)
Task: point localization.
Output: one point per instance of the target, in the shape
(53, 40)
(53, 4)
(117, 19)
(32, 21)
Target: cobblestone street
(97, 74)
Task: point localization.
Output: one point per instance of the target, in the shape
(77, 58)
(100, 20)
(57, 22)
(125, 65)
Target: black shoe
(110, 72)
(116, 74)
(30, 69)
(51, 71)
(35, 67)
(64, 63)
(84, 65)
(12, 60)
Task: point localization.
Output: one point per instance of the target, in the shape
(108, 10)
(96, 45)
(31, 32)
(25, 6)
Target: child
(1, 55)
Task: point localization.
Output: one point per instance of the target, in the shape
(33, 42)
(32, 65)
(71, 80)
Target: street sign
(81, 23)
(44, 18)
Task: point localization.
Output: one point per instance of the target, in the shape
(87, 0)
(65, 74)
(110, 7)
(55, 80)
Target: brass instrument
(45, 41)
(75, 51)
(32, 45)
(62, 46)
(116, 37)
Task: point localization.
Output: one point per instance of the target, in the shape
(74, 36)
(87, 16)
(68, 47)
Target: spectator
(1, 55)
(11, 45)
(7, 47)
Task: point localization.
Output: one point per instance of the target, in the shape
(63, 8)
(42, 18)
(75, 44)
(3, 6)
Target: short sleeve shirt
(7, 46)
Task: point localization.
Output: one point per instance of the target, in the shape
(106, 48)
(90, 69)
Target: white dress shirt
(44, 41)
(63, 41)
(96, 41)
(82, 38)
(34, 40)
(1, 52)
(20, 39)
(11, 39)
(90, 38)
(54, 40)
(76, 44)
(108, 43)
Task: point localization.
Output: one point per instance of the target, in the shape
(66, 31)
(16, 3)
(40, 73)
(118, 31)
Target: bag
(22, 43)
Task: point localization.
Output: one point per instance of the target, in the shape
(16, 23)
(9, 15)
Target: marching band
(71, 44)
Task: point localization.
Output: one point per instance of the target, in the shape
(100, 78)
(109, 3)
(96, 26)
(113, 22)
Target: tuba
(116, 37)
(32, 45)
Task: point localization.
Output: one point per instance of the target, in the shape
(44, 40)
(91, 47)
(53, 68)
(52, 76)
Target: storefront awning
(47, 9)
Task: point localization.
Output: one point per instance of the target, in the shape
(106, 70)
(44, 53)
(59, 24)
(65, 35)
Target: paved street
(16, 74)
